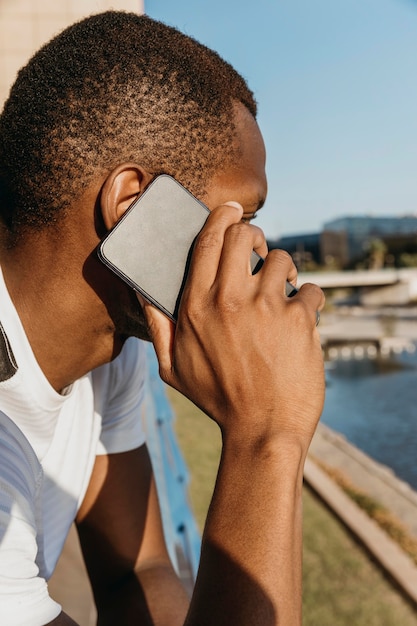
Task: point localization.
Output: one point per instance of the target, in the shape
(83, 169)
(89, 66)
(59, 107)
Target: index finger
(209, 244)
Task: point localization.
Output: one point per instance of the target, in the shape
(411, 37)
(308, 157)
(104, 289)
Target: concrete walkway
(378, 482)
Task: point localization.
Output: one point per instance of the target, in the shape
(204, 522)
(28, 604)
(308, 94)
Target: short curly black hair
(112, 88)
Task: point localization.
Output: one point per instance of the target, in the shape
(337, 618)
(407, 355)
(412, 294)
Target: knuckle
(192, 310)
(256, 230)
(228, 302)
(239, 231)
(282, 259)
(282, 256)
(207, 241)
(245, 234)
(314, 291)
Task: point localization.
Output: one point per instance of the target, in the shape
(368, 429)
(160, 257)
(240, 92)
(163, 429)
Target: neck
(66, 322)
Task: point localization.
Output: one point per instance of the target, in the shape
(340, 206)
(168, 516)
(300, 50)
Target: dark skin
(231, 328)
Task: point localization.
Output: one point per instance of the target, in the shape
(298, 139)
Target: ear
(122, 186)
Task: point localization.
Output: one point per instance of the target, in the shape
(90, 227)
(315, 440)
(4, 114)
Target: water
(374, 404)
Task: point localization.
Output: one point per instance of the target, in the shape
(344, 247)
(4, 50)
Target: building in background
(351, 239)
(356, 241)
(304, 249)
(27, 24)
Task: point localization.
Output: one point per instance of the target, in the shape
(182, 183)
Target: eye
(248, 217)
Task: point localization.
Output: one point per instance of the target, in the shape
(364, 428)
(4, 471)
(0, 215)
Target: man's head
(97, 113)
(114, 88)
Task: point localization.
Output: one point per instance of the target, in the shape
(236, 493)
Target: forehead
(245, 179)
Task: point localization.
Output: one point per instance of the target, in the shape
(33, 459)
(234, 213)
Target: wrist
(282, 456)
(273, 444)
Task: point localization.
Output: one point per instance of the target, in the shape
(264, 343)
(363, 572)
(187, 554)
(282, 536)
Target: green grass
(342, 586)
(375, 510)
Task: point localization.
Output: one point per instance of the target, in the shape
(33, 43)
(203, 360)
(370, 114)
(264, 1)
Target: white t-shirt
(48, 444)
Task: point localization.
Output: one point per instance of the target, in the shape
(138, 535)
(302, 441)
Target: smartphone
(150, 247)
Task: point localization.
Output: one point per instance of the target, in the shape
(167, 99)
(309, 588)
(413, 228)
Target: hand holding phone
(247, 356)
(151, 246)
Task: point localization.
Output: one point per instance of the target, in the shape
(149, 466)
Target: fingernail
(234, 204)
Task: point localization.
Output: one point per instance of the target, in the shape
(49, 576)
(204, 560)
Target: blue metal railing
(181, 533)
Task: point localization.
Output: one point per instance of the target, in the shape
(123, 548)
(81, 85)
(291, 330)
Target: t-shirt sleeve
(24, 597)
(121, 387)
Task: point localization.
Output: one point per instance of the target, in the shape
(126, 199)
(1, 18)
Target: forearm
(252, 547)
(121, 535)
(153, 595)
(251, 359)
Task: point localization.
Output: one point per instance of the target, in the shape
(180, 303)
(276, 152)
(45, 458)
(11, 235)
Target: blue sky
(336, 84)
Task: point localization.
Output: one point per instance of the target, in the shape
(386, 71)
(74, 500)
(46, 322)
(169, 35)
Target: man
(91, 120)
